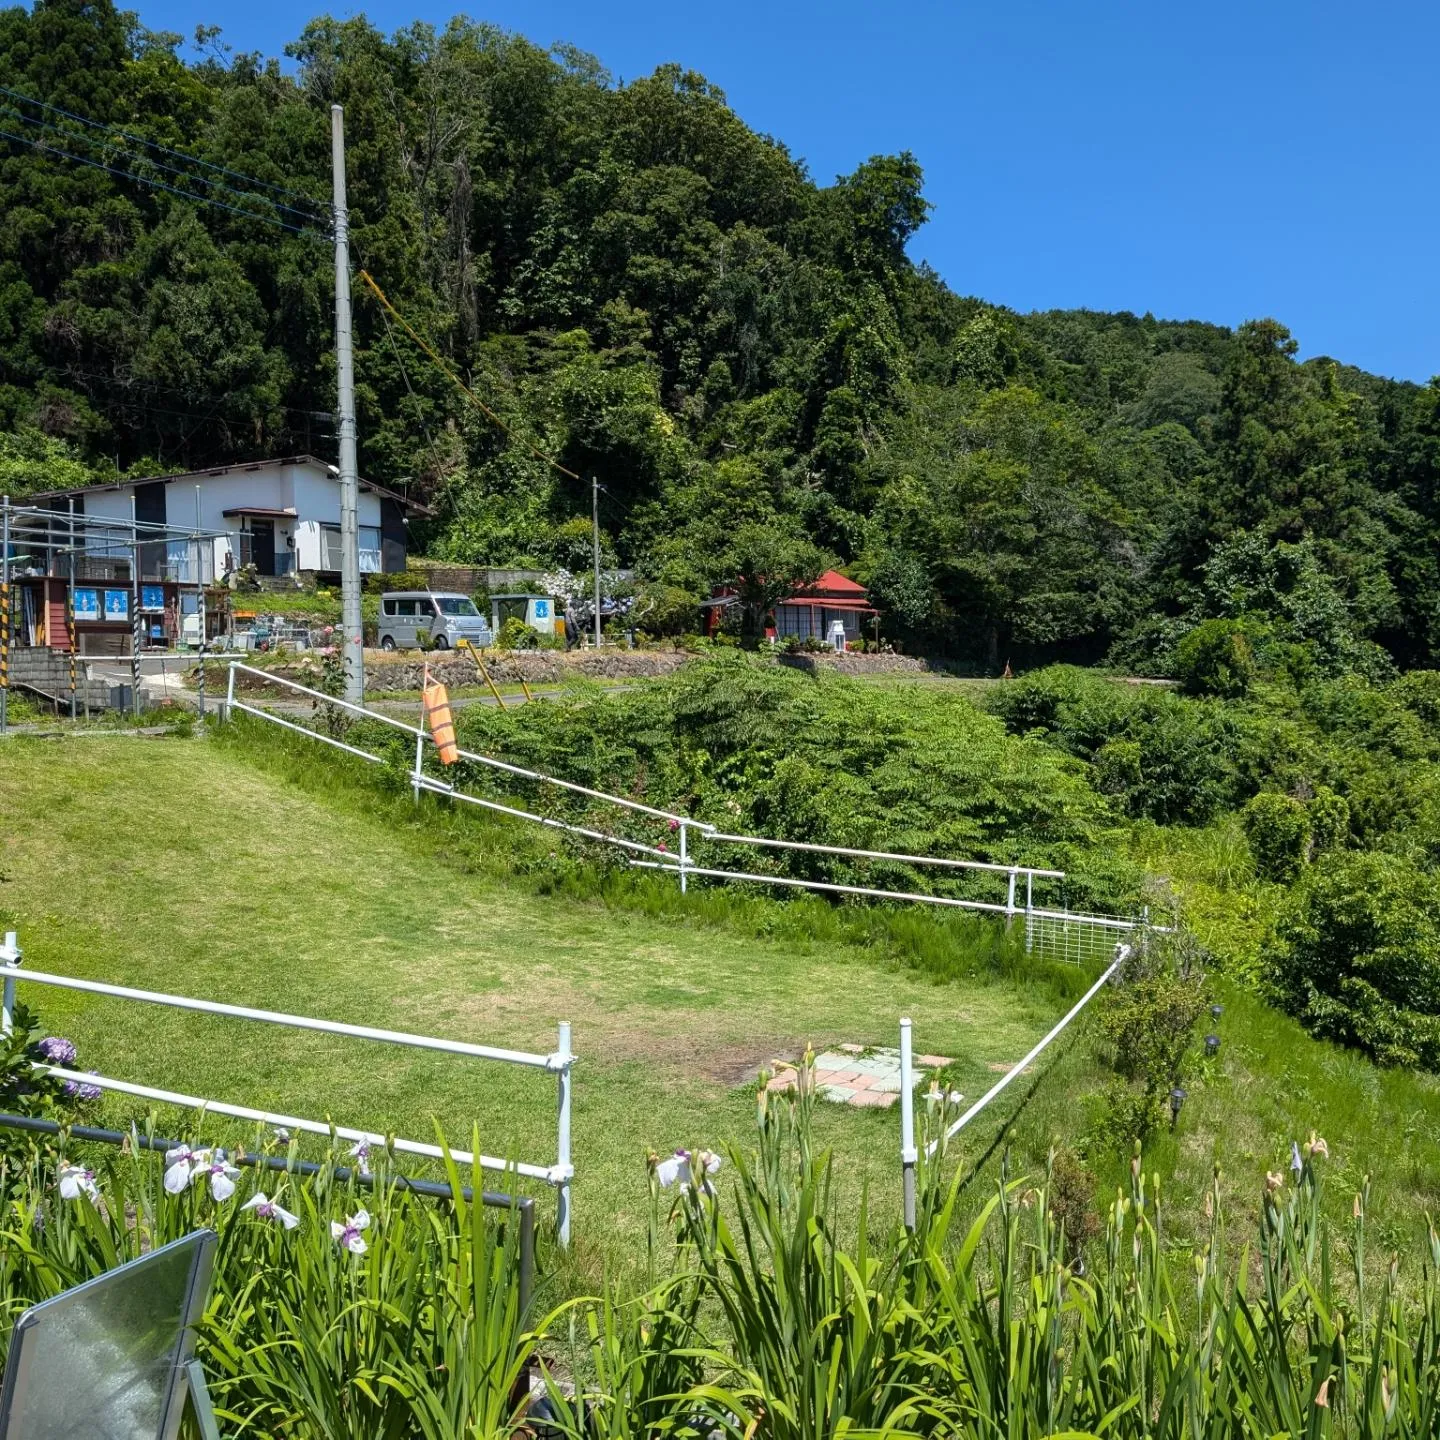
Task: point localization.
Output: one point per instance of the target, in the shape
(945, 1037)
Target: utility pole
(137, 624)
(595, 548)
(4, 612)
(70, 618)
(200, 597)
(352, 648)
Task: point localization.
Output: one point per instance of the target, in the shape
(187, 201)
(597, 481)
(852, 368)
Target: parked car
(444, 617)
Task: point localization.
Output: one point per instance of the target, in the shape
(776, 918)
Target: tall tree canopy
(646, 290)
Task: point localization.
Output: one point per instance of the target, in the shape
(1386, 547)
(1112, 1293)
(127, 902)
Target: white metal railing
(559, 1062)
(689, 829)
(909, 1153)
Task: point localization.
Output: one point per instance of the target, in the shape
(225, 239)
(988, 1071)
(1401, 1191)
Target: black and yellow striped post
(137, 639)
(4, 651)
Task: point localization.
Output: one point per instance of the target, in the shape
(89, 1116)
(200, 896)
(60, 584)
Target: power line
(48, 149)
(141, 159)
(405, 376)
(319, 206)
(460, 384)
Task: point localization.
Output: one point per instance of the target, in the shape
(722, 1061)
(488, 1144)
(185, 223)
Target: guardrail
(559, 1062)
(688, 829)
(909, 1152)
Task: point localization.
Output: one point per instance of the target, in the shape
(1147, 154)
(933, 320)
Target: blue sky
(1218, 162)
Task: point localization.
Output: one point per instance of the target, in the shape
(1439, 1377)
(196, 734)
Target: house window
(792, 620)
(330, 548)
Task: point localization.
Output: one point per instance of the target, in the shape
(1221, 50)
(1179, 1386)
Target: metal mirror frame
(186, 1375)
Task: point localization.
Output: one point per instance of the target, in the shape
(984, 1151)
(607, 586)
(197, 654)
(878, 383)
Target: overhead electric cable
(49, 149)
(459, 383)
(409, 389)
(319, 206)
(15, 113)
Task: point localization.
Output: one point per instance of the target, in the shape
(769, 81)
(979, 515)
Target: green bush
(1278, 828)
(777, 751)
(1147, 1022)
(1357, 956)
(1117, 767)
(1329, 816)
(515, 634)
(662, 609)
(1216, 658)
(1186, 769)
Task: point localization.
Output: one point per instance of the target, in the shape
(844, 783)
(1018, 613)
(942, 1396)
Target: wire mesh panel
(1077, 939)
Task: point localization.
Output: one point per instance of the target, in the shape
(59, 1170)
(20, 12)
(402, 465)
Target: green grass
(24, 710)
(242, 868)
(271, 878)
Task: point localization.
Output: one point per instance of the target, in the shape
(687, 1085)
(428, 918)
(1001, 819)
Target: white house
(282, 516)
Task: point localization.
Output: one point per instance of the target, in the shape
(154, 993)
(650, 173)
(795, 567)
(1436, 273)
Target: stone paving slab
(860, 1075)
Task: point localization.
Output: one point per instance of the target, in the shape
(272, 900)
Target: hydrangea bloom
(57, 1050)
(82, 1089)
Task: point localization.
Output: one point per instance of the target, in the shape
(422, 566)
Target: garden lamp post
(1177, 1099)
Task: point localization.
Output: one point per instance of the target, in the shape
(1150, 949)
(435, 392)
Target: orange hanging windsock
(436, 700)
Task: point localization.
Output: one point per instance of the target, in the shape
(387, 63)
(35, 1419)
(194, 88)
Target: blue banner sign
(117, 604)
(87, 604)
(152, 597)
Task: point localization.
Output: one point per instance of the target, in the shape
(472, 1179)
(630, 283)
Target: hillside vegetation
(741, 352)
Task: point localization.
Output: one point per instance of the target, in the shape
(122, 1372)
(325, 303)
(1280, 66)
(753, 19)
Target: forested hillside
(646, 289)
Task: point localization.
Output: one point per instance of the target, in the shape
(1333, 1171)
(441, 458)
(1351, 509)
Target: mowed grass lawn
(189, 866)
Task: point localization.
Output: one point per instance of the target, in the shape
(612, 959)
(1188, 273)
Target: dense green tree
(649, 293)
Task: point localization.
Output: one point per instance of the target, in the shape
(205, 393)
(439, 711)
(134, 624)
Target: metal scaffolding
(41, 542)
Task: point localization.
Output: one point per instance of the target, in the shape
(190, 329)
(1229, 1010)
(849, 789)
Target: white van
(443, 616)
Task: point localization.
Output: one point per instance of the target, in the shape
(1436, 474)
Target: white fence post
(10, 954)
(684, 854)
(1029, 911)
(562, 1156)
(229, 695)
(908, 1153)
(1010, 899)
(419, 761)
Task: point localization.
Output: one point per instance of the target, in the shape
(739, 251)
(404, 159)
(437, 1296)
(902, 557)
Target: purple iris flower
(348, 1236)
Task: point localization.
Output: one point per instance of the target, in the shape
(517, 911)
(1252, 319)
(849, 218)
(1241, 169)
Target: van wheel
(388, 643)
(441, 643)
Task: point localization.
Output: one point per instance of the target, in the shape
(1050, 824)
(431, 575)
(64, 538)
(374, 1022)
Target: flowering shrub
(27, 1091)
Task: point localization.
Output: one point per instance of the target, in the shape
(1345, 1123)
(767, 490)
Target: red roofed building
(812, 612)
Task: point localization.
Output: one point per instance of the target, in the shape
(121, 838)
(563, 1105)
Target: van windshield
(455, 605)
